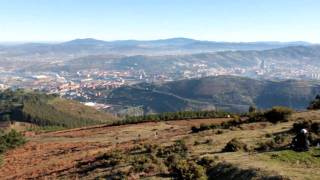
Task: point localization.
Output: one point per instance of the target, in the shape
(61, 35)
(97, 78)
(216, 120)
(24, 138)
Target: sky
(215, 20)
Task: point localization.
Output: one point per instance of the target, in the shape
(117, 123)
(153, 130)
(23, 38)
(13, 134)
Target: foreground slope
(80, 153)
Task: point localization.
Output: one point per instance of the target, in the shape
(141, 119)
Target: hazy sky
(219, 20)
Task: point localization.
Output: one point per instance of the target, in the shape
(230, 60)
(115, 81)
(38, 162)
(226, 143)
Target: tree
(278, 114)
(252, 109)
(315, 104)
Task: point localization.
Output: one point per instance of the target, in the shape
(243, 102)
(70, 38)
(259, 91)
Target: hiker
(301, 142)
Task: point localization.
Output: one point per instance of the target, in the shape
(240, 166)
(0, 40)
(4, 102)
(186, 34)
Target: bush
(219, 132)
(277, 142)
(229, 171)
(209, 141)
(266, 146)
(196, 143)
(278, 114)
(194, 129)
(144, 163)
(314, 105)
(315, 127)
(309, 125)
(235, 145)
(150, 148)
(208, 161)
(186, 170)
(112, 158)
(252, 109)
(312, 127)
(236, 122)
(178, 148)
(11, 140)
(256, 117)
(302, 124)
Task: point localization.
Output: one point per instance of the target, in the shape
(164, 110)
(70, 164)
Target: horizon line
(159, 39)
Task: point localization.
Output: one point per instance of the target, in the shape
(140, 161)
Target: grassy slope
(287, 163)
(70, 147)
(75, 108)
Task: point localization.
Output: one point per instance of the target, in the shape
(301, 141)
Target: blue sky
(218, 20)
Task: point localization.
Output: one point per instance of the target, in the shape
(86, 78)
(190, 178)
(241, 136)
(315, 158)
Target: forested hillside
(48, 110)
(222, 92)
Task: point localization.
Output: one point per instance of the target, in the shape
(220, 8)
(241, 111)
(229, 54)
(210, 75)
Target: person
(301, 142)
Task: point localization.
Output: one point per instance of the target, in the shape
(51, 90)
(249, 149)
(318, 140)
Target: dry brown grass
(56, 153)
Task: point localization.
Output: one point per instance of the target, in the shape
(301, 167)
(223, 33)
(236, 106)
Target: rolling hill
(295, 57)
(91, 46)
(154, 101)
(48, 110)
(222, 92)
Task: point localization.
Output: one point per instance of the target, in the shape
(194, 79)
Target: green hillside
(48, 110)
(222, 92)
(154, 101)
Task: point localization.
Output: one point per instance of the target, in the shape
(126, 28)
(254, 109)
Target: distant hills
(297, 57)
(48, 110)
(91, 46)
(221, 92)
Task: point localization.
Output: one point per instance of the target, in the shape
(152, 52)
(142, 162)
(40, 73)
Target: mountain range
(91, 46)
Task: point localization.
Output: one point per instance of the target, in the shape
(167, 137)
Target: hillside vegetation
(256, 146)
(9, 141)
(228, 93)
(48, 110)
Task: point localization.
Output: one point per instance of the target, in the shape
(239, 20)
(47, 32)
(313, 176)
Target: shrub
(207, 161)
(112, 158)
(229, 171)
(268, 135)
(187, 170)
(280, 139)
(235, 145)
(252, 109)
(194, 129)
(179, 148)
(143, 163)
(236, 122)
(204, 127)
(11, 140)
(315, 127)
(196, 143)
(278, 114)
(150, 148)
(265, 146)
(277, 142)
(309, 125)
(315, 104)
(219, 132)
(208, 141)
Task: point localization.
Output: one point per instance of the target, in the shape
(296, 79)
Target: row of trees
(184, 115)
